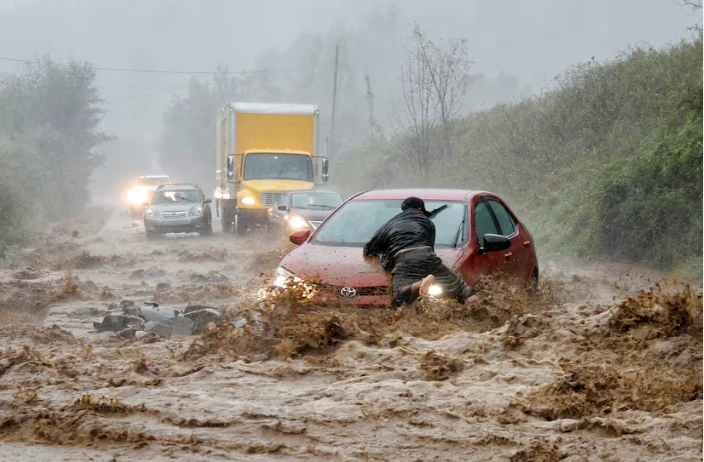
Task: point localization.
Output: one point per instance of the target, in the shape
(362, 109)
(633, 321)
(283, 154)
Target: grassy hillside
(605, 164)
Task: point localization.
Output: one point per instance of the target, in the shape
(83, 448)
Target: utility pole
(332, 152)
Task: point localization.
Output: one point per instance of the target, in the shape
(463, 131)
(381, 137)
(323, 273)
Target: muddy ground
(605, 365)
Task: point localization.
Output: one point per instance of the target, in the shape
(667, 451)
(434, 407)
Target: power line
(158, 71)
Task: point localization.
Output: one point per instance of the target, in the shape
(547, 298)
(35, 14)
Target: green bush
(49, 129)
(605, 164)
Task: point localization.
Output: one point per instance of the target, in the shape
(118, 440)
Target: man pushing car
(406, 245)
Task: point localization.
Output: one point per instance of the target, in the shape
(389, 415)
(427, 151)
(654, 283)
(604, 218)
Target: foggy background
(517, 48)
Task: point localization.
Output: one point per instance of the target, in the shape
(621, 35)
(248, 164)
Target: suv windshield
(176, 196)
(153, 181)
(357, 221)
(270, 166)
(315, 201)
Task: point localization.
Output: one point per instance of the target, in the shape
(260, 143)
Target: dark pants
(413, 266)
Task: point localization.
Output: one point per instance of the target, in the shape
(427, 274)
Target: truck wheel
(240, 225)
(226, 223)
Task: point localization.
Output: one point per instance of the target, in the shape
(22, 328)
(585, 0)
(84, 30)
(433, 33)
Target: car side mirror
(494, 243)
(283, 208)
(208, 201)
(299, 237)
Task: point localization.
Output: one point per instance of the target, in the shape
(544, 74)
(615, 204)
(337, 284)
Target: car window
(282, 200)
(355, 223)
(483, 221)
(176, 197)
(315, 201)
(506, 222)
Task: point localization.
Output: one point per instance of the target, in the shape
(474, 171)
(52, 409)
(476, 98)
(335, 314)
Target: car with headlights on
(304, 209)
(178, 208)
(476, 234)
(142, 190)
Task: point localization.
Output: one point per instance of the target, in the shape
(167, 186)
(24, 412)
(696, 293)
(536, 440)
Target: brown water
(594, 369)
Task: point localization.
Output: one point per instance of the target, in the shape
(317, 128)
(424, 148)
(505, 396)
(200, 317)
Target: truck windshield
(272, 166)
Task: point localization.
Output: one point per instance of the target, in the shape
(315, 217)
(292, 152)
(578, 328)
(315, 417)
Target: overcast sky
(531, 39)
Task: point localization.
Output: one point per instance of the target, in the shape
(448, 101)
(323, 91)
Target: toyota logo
(348, 292)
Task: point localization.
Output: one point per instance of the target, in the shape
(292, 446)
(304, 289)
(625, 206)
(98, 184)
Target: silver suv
(178, 208)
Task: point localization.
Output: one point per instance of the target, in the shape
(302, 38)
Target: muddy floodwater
(606, 364)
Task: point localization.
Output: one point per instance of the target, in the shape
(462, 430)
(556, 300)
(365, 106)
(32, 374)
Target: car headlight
(198, 211)
(149, 213)
(434, 290)
(297, 222)
(217, 194)
(283, 275)
(137, 196)
(248, 200)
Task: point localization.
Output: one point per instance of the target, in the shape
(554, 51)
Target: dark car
(303, 210)
(178, 208)
(477, 234)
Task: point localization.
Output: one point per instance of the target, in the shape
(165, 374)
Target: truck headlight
(283, 275)
(248, 200)
(434, 290)
(296, 222)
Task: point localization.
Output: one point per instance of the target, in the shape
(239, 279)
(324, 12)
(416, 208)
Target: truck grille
(269, 197)
(174, 214)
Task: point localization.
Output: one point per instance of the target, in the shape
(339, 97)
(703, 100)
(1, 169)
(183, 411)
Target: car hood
(345, 266)
(174, 207)
(311, 215)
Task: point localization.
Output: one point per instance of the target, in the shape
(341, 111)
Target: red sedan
(476, 234)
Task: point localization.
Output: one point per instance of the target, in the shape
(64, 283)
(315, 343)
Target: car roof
(428, 194)
(174, 187)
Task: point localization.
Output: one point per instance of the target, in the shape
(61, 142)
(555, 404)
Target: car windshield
(315, 201)
(153, 181)
(176, 196)
(357, 221)
(269, 166)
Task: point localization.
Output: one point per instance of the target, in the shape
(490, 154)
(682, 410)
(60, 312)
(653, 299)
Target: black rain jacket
(410, 228)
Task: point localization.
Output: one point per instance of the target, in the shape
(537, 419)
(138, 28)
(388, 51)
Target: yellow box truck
(263, 150)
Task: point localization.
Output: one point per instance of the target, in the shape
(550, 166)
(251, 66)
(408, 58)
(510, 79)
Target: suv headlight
(149, 213)
(283, 275)
(198, 211)
(297, 222)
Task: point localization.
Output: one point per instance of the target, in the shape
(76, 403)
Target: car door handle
(526, 244)
(508, 254)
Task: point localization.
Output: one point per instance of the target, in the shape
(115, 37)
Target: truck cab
(263, 151)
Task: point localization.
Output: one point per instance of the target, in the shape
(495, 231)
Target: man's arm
(375, 245)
